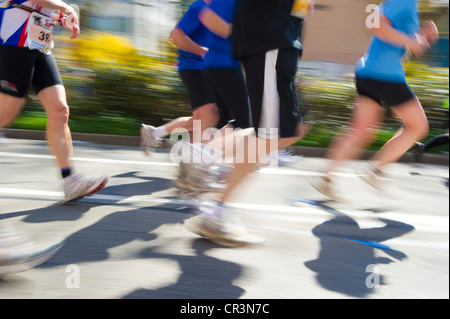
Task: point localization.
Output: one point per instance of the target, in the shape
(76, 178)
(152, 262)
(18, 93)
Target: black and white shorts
(271, 82)
(232, 96)
(198, 87)
(21, 67)
(386, 94)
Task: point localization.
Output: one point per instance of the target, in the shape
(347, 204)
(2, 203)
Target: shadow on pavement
(202, 276)
(347, 255)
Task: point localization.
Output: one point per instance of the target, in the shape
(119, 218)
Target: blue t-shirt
(194, 29)
(383, 61)
(220, 50)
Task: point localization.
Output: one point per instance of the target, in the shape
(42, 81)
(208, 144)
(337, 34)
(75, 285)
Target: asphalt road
(130, 240)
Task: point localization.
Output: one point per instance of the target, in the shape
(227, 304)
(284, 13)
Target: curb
(120, 140)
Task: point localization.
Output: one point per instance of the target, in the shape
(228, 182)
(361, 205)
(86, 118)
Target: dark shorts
(199, 90)
(232, 97)
(387, 94)
(21, 67)
(271, 82)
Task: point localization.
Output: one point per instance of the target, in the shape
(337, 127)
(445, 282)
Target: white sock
(160, 131)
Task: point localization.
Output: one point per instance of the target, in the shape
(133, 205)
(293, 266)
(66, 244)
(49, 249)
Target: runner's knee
(59, 114)
(208, 114)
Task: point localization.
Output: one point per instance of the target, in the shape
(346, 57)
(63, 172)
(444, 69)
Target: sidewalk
(437, 159)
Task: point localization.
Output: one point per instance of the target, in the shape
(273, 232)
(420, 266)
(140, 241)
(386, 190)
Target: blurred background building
(122, 72)
(144, 22)
(337, 32)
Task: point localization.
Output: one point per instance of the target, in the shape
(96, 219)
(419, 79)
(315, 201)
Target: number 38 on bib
(40, 32)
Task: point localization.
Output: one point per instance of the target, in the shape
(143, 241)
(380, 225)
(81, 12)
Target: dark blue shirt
(193, 28)
(220, 50)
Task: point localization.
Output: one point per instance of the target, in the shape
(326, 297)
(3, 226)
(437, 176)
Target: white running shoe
(19, 253)
(371, 175)
(223, 228)
(148, 142)
(324, 185)
(286, 158)
(77, 186)
(195, 179)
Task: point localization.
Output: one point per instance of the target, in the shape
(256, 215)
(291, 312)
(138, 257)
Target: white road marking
(310, 214)
(422, 223)
(88, 159)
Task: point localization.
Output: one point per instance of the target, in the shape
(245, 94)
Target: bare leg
(415, 128)
(10, 108)
(244, 166)
(366, 118)
(202, 118)
(58, 133)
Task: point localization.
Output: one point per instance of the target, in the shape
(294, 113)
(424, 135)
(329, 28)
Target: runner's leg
(415, 128)
(10, 108)
(361, 131)
(59, 137)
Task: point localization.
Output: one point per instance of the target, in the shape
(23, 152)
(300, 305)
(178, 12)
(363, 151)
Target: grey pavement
(131, 240)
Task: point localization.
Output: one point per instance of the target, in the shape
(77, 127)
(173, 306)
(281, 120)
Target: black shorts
(387, 94)
(232, 97)
(199, 90)
(271, 82)
(21, 67)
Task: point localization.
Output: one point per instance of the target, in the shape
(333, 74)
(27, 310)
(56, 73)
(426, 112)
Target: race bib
(300, 8)
(40, 32)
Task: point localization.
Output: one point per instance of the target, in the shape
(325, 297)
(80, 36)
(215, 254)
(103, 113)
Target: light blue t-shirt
(220, 50)
(194, 29)
(383, 61)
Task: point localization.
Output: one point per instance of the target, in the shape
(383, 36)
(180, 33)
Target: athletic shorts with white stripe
(271, 83)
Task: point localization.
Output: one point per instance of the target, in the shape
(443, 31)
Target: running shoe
(285, 157)
(77, 186)
(19, 253)
(371, 175)
(195, 179)
(324, 185)
(418, 150)
(223, 227)
(148, 142)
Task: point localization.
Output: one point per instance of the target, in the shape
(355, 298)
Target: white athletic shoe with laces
(148, 142)
(223, 227)
(324, 185)
(371, 175)
(77, 186)
(285, 157)
(19, 253)
(196, 179)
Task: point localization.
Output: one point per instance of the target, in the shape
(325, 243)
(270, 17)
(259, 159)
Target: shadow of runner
(92, 243)
(202, 276)
(342, 262)
(75, 210)
(51, 213)
(148, 186)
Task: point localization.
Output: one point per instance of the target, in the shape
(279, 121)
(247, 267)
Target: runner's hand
(430, 32)
(418, 45)
(70, 21)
